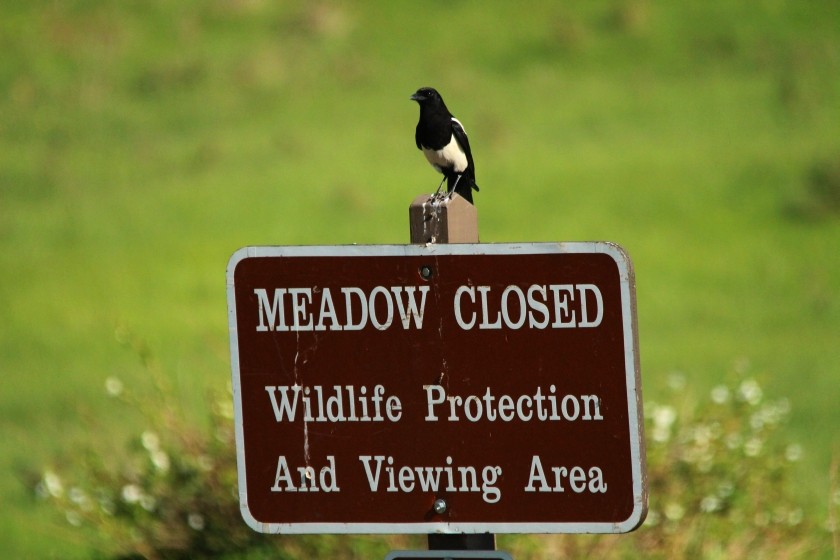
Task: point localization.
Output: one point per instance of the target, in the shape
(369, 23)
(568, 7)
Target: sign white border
(631, 367)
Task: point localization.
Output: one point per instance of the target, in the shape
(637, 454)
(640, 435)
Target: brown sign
(437, 388)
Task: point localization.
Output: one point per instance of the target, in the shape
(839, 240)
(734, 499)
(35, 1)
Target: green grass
(141, 144)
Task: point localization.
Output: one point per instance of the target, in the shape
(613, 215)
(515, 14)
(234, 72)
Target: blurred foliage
(171, 492)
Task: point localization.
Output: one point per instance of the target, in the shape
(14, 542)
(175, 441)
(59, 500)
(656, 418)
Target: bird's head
(427, 96)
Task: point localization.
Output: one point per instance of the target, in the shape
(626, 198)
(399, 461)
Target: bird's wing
(461, 137)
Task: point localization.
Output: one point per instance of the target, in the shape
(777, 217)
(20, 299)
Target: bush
(721, 478)
(721, 484)
(170, 494)
(719, 471)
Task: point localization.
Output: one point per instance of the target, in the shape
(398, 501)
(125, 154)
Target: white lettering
(389, 305)
(514, 307)
(272, 312)
(434, 479)
(440, 396)
(350, 325)
(301, 318)
(536, 406)
(285, 408)
(339, 406)
(506, 307)
(537, 307)
(411, 311)
(537, 476)
(485, 312)
(457, 304)
(579, 480)
(599, 303)
(325, 482)
(561, 307)
(327, 312)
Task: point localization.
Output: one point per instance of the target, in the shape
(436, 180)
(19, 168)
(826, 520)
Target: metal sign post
(447, 220)
(448, 555)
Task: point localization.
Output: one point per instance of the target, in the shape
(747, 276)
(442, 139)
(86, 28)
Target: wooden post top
(442, 219)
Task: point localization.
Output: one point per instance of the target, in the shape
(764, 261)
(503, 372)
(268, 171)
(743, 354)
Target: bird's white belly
(450, 156)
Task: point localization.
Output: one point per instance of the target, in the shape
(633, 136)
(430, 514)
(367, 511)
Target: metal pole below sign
(479, 541)
(447, 555)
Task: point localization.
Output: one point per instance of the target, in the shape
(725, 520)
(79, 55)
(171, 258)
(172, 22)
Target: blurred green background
(141, 143)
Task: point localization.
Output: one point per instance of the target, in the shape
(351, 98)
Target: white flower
(702, 435)
(752, 447)
(663, 418)
(131, 493)
(720, 394)
(150, 441)
(148, 502)
(160, 460)
(793, 452)
(195, 521)
(77, 495)
(710, 504)
(53, 485)
(113, 386)
(750, 391)
(769, 414)
(80, 498)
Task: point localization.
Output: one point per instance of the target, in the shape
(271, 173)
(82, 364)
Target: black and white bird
(444, 142)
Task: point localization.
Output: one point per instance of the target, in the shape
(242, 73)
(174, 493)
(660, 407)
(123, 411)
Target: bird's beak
(415, 97)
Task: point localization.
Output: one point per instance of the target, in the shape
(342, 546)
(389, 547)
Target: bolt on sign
(437, 388)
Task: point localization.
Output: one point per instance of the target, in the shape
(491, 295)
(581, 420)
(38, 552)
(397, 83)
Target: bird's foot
(437, 192)
(452, 191)
(437, 195)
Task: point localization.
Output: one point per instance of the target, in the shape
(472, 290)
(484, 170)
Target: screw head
(439, 506)
(426, 271)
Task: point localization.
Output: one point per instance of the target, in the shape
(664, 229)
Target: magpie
(444, 142)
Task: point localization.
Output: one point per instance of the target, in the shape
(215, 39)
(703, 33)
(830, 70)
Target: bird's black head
(427, 96)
